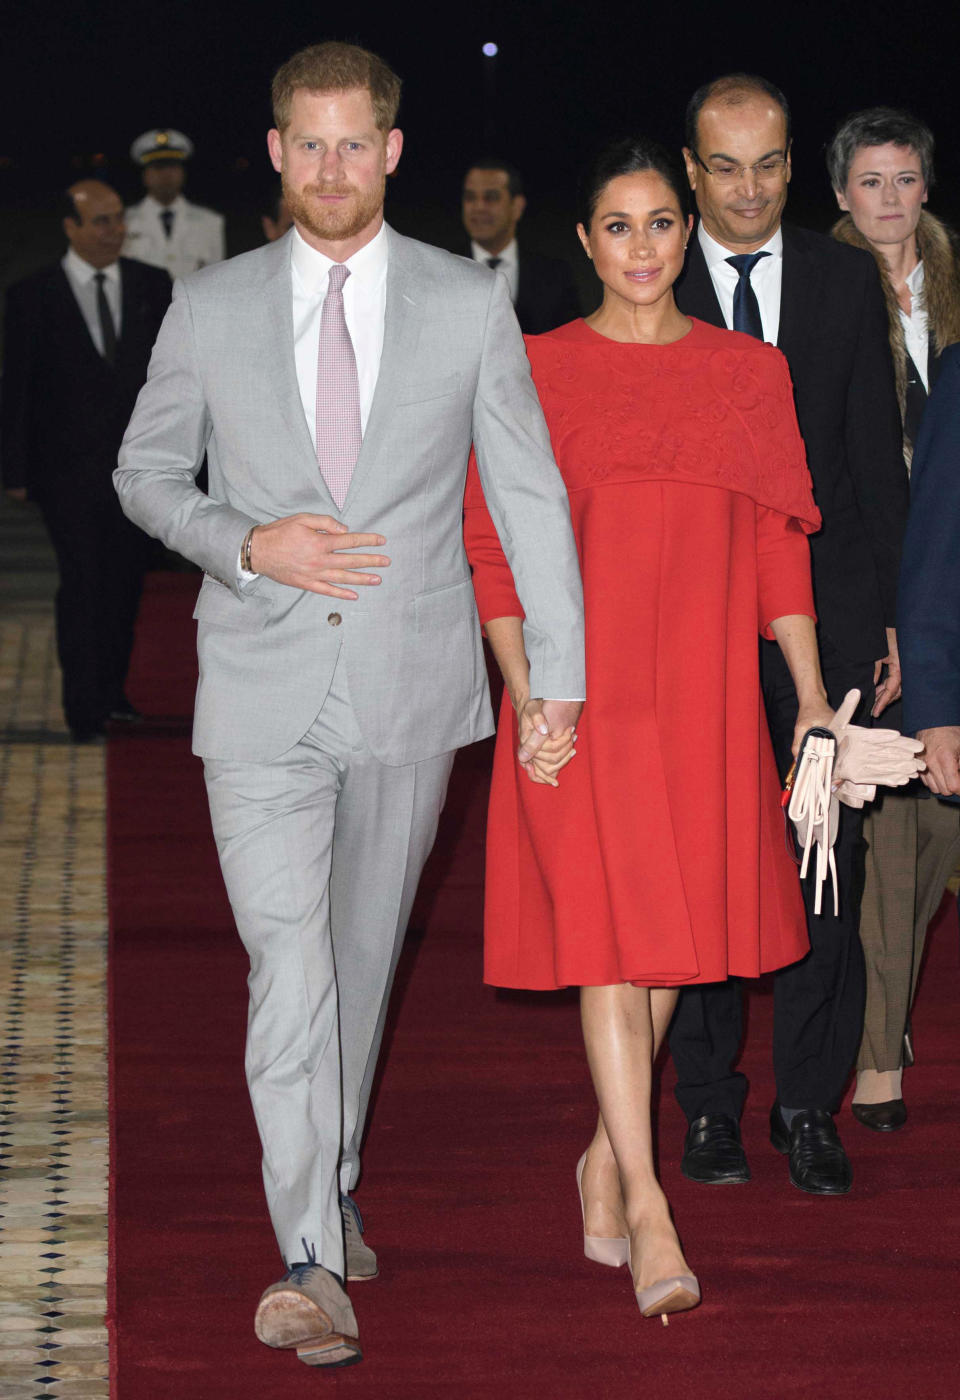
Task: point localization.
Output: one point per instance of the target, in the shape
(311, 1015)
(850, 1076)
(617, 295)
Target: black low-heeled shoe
(884, 1117)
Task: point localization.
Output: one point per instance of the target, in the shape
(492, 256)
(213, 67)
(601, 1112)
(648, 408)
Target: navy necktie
(746, 308)
(494, 262)
(166, 218)
(107, 329)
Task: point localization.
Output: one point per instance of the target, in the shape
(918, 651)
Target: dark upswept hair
(731, 90)
(336, 67)
(514, 178)
(878, 126)
(632, 156)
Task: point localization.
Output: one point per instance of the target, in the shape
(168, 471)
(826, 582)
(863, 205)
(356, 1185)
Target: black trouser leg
(819, 1001)
(704, 1038)
(100, 562)
(121, 583)
(76, 610)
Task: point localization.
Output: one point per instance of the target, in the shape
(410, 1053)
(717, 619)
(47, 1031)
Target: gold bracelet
(245, 550)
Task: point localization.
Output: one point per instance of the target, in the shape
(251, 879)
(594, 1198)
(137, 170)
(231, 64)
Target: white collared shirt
(81, 276)
(766, 279)
(364, 307)
(509, 264)
(916, 327)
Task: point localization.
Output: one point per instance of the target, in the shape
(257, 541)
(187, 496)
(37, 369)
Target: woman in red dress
(655, 857)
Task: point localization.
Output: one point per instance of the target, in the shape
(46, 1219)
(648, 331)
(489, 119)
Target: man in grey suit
(335, 380)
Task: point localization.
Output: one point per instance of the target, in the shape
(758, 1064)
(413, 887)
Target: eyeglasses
(770, 169)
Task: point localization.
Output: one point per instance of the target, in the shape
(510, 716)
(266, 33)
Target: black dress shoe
(818, 1163)
(123, 712)
(884, 1117)
(713, 1153)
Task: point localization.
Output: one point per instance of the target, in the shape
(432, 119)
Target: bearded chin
(338, 222)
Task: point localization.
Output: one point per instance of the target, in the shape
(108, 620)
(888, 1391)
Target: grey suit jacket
(223, 381)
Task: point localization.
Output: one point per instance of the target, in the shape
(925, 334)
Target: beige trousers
(913, 847)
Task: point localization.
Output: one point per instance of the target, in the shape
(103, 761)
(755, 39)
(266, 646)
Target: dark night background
(82, 79)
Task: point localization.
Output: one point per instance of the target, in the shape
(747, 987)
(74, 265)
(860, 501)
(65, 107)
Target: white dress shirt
(766, 279)
(364, 309)
(81, 277)
(509, 263)
(916, 327)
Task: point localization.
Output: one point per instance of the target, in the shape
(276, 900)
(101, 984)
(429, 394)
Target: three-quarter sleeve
(784, 585)
(493, 584)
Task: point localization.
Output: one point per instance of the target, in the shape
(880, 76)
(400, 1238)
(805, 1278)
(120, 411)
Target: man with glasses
(822, 305)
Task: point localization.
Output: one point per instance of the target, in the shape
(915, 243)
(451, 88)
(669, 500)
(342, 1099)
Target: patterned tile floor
(53, 1080)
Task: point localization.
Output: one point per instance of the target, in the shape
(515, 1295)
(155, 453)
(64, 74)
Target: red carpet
(483, 1109)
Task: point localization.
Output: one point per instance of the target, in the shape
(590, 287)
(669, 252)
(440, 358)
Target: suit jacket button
(334, 619)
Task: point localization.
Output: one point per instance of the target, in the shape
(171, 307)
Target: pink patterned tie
(338, 392)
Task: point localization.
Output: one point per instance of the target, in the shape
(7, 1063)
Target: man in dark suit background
(822, 305)
(542, 289)
(929, 607)
(78, 337)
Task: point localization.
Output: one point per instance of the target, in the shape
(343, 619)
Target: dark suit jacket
(64, 408)
(929, 606)
(547, 294)
(834, 334)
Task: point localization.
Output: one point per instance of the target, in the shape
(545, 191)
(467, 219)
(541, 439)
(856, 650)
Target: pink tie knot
(336, 277)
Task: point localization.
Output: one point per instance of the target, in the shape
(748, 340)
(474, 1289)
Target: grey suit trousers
(321, 851)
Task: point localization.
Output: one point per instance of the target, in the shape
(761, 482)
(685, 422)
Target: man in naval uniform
(165, 229)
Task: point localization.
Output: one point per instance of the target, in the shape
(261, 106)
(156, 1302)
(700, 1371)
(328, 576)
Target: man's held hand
(547, 731)
(311, 552)
(941, 749)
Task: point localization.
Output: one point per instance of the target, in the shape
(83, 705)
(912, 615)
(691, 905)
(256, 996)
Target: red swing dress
(660, 859)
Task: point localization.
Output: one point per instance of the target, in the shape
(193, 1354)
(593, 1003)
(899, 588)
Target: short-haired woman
(881, 167)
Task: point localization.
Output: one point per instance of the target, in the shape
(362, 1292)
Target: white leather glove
(847, 768)
(870, 758)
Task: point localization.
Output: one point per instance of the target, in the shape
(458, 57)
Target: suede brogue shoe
(308, 1311)
(713, 1152)
(884, 1117)
(361, 1260)
(818, 1163)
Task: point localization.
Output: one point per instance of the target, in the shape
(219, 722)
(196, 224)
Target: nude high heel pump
(596, 1247)
(669, 1295)
(678, 1293)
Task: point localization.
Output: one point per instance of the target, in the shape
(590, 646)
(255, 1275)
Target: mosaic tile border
(54, 1144)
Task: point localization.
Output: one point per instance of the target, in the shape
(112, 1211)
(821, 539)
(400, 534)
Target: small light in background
(490, 50)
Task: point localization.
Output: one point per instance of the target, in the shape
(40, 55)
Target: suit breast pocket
(219, 607)
(425, 390)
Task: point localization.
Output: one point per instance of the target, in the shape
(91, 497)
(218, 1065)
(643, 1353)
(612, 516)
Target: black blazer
(834, 334)
(547, 294)
(929, 610)
(64, 409)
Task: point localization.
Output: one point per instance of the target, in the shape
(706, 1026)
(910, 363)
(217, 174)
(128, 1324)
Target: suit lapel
(277, 330)
(696, 295)
(401, 335)
(799, 297)
(131, 309)
(69, 316)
